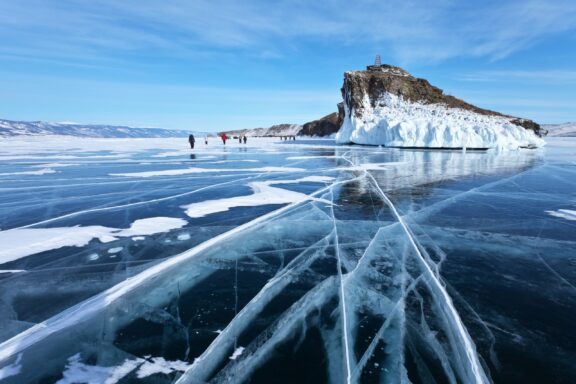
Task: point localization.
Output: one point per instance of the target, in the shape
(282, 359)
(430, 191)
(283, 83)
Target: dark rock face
(326, 125)
(377, 80)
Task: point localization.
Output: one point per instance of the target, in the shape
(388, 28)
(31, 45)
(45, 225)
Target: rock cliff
(385, 105)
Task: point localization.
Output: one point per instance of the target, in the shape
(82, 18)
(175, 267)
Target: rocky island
(386, 105)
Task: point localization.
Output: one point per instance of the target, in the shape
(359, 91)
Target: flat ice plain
(140, 260)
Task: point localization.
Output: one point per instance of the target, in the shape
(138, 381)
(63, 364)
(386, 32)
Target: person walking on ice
(191, 140)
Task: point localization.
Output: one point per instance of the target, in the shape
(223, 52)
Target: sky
(211, 65)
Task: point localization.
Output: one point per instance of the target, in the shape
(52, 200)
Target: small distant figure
(224, 138)
(245, 139)
(206, 140)
(240, 139)
(191, 140)
(293, 138)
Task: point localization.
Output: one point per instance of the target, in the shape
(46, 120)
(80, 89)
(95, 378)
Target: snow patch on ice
(78, 372)
(152, 226)
(55, 165)
(184, 236)
(39, 172)
(264, 194)
(237, 352)
(311, 157)
(564, 214)
(395, 122)
(12, 369)
(21, 242)
(12, 270)
(115, 249)
(93, 256)
(187, 171)
(156, 365)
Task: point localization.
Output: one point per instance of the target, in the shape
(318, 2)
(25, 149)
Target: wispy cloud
(411, 30)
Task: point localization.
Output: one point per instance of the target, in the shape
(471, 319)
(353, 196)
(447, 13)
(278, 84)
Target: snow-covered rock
(394, 109)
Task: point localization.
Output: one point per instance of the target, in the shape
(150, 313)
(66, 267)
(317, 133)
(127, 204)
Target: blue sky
(216, 65)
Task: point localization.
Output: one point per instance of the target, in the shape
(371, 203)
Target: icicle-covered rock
(385, 105)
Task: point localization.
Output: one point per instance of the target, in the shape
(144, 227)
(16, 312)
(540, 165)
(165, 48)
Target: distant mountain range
(39, 128)
(564, 129)
(273, 131)
(322, 127)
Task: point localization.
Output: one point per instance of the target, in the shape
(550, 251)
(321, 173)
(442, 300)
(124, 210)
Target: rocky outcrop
(385, 105)
(325, 126)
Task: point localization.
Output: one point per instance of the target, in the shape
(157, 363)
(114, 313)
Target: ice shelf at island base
(397, 123)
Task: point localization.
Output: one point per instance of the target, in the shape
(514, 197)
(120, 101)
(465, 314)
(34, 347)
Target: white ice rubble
(395, 122)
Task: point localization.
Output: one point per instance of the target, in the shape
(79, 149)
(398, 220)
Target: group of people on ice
(223, 136)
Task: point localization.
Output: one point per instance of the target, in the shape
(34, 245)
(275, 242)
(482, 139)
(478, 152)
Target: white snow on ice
(22, 242)
(156, 365)
(264, 194)
(237, 352)
(395, 122)
(564, 214)
(12, 369)
(183, 236)
(55, 165)
(78, 372)
(311, 157)
(39, 172)
(187, 171)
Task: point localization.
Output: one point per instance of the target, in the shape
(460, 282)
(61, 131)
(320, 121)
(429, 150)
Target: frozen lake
(140, 260)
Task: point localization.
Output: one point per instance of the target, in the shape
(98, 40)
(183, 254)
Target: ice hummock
(395, 122)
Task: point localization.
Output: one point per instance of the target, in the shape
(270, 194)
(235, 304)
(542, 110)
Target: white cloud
(408, 30)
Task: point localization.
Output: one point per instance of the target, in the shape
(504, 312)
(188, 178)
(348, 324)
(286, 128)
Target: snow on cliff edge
(395, 122)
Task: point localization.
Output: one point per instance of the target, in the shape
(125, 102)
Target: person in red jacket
(224, 138)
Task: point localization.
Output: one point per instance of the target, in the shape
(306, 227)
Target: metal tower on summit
(377, 61)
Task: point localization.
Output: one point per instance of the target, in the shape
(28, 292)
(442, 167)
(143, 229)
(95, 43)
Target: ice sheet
(381, 265)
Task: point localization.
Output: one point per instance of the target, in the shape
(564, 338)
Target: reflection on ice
(380, 266)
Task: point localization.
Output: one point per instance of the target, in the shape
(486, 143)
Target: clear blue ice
(294, 262)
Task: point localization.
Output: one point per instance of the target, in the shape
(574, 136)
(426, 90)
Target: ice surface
(395, 122)
(351, 264)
